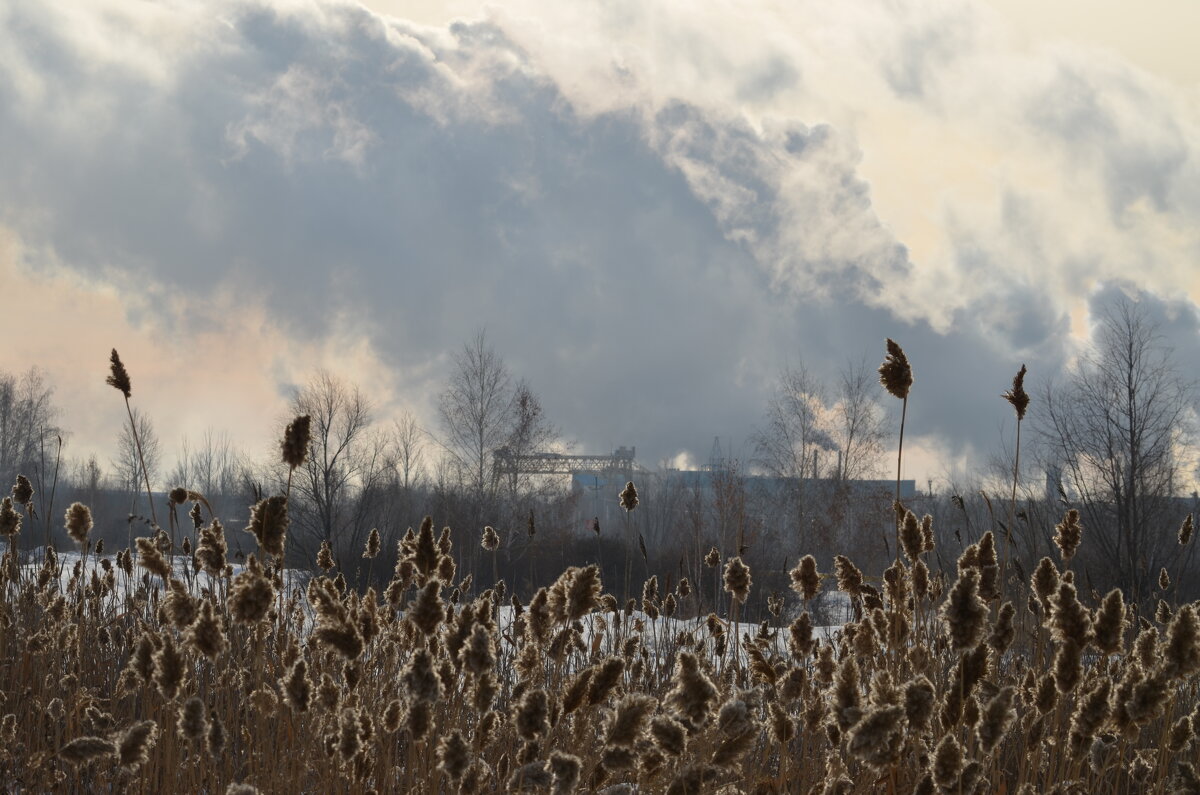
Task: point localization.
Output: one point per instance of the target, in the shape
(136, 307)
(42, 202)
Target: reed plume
(134, 747)
(896, 376)
(296, 438)
(78, 522)
(85, 749)
(10, 520)
(22, 491)
(268, 524)
(806, 581)
(1067, 535)
(964, 612)
(737, 579)
(251, 594)
(629, 497)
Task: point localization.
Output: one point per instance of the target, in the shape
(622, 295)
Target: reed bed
(165, 669)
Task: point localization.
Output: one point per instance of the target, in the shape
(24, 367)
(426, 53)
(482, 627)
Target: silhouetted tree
(1115, 427)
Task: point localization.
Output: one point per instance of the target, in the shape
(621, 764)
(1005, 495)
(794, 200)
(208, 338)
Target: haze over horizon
(652, 208)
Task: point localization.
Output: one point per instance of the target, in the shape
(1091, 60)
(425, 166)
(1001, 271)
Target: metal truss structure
(507, 463)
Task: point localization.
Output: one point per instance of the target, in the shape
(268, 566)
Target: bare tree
(1114, 428)
(213, 467)
(858, 424)
(338, 489)
(528, 432)
(408, 447)
(127, 464)
(475, 411)
(816, 446)
(87, 478)
(407, 470)
(27, 424)
(795, 426)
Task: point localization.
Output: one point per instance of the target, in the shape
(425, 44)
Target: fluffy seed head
(878, 738)
(1068, 617)
(947, 763)
(22, 490)
(1003, 632)
(372, 547)
(1067, 535)
(490, 540)
(84, 749)
(998, 716)
(605, 679)
(10, 520)
(1017, 396)
(849, 578)
(478, 655)
(669, 735)
(629, 497)
(566, 769)
(1108, 629)
(582, 592)
(532, 716)
(1181, 734)
(964, 612)
(692, 694)
(216, 733)
(118, 376)
(212, 548)
(136, 742)
(297, 688)
(420, 679)
(207, 633)
(169, 667)
(629, 720)
(1068, 666)
(251, 593)
(454, 755)
(193, 722)
(895, 374)
(269, 523)
(1045, 582)
(426, 610)
(1181, 652)
(79, 522)
(800, 636)
(806, 581)
(918, 702)
(151, 559)
(295, 441)
(1149, 697)
(1091, 711)
(911, 539)
(737, 579)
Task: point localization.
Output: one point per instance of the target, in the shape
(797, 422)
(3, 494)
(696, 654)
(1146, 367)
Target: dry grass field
(163, 669)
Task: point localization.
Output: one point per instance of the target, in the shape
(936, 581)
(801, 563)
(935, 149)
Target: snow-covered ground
(660, 636)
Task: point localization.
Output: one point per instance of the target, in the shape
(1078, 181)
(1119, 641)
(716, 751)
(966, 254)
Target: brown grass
(137, 679)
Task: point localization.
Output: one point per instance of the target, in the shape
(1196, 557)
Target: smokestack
(1054, 488)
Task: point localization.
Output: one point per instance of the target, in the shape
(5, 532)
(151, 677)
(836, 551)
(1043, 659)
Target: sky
(652, 208)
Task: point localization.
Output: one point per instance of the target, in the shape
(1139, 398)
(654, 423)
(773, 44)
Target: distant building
(596, 491)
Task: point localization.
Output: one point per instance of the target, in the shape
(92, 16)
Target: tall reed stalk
(1019, 400)
(118, 378)
(896, 376)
